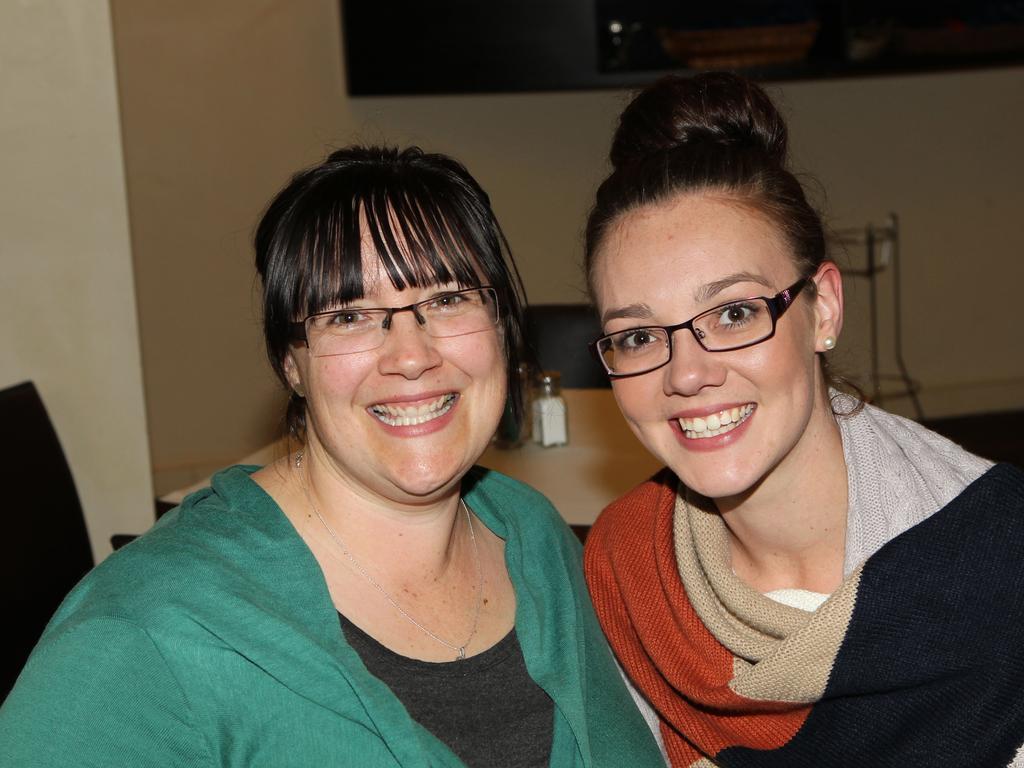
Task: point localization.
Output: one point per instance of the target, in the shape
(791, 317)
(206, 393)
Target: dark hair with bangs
(428, 221)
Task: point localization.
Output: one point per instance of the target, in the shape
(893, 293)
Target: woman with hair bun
(811, 580)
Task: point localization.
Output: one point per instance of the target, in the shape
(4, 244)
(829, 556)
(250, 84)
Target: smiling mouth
(410, 416)
(716, 424)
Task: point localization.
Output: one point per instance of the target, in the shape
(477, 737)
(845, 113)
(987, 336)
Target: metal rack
(881, 244)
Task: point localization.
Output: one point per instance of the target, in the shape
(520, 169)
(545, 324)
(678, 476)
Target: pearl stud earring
(829, 342)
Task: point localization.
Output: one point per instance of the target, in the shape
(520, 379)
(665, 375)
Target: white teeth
(408, 416)
(716, 423)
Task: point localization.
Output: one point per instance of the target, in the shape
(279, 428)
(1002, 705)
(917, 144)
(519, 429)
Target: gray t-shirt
(486, 708)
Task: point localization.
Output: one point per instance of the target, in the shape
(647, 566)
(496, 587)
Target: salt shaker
(550, 422)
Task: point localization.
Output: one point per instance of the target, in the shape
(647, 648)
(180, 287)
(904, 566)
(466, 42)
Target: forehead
(663, 255)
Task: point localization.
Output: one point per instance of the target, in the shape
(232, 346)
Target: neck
(418, 539)
(790, 530)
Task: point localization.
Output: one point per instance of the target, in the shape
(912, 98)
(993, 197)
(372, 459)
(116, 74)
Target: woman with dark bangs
(373, 598)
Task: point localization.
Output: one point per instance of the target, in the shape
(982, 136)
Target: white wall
(67, 301)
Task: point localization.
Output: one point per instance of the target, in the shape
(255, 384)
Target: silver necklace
(460, 650)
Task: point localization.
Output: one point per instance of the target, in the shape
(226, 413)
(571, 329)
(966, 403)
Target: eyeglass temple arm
(785, 298)
(298, 331)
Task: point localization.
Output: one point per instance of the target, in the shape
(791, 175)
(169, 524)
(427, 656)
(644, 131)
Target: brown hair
(714, 132)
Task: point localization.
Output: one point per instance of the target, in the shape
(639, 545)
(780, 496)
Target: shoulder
(92, 645)
(978, 534)
(963, 560)
(532, 528)
(107, 683)
(507, 500)
(481, 480)
(221, 542)
(999, 491)
(900, 439)
(633, 516)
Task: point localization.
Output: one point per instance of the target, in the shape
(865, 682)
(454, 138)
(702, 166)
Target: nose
(692, 368)
(408, 350)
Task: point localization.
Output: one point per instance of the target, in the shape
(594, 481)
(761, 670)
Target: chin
(421, 481)
(718, 482)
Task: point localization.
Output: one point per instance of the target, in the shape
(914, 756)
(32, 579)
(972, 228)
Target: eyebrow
(704, 293)
(710, 290)
(630, 311)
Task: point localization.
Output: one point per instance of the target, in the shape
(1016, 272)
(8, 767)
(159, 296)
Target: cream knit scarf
(899, 473)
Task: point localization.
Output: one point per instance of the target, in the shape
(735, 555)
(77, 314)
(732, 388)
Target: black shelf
(503, 46)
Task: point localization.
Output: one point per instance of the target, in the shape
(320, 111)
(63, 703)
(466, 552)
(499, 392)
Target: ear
(294, 376)
(828, 306)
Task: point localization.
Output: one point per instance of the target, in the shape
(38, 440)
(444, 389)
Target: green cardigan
(212, 641)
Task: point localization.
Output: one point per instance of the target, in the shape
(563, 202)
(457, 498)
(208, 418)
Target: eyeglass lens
(731, 326)
(355, 329)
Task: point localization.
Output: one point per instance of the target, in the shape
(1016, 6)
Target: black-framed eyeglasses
(357, 329)
(735, 325)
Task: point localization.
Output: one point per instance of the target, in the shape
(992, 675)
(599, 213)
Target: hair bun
(717, 108)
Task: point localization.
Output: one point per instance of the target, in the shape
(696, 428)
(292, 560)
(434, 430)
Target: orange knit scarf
(665, 648)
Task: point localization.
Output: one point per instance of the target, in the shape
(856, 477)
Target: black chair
(559, 335)
(46, 546)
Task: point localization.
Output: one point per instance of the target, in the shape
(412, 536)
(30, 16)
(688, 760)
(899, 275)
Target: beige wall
(221, 101)
(943, 151)
(67, 302)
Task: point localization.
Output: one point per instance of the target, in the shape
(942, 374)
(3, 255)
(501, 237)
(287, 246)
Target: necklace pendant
(462, 654)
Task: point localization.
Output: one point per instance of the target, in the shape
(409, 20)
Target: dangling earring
(298, 460)
(829, 342)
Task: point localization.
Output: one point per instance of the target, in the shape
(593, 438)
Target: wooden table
(602, 461)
